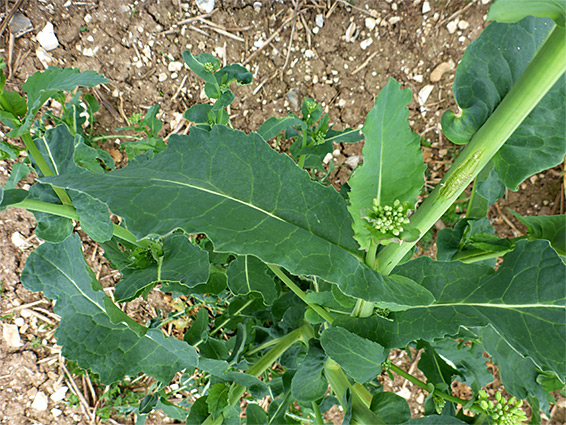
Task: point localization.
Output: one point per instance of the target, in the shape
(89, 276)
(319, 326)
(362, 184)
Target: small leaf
(360, 357)
(393, 163)
(198, 326)
(391, 408)
(273, 126)
(549, 227)
(247, 273)
(217, 399)
(308, 383)
(20, 170)
(255, 415)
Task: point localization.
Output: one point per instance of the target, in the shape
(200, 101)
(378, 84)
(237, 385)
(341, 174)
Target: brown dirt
(133, 45)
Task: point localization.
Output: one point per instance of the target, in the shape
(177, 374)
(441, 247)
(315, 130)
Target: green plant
(299, 287)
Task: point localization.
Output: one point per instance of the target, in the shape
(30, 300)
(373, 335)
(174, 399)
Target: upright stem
(364, 308)
(541, 74)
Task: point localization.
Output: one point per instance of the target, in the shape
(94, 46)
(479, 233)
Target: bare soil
(137, 45)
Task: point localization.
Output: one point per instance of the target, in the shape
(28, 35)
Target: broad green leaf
(11, 197)
(51, 228)
(150, 122)
(393, 163)
(182, 262)
(489, 68)
(43, 85)
(549, 227)
(524, 300)
(234, 188)
(15, 103)
(198, 327)
(518, 373)
(197, 65)
(234, 72)
(359, 357)
(512, 10)
(273, 126)
(435, 420)
(19, 171)
(391, 408)
(491, 188)
(247, 274)
(217, 399)
(256, 388)
(153, 144)
(308, 383)
(95, 220)
(255, 415)
(93, 331)
(199, 411)
(434, 367)
(348, 135)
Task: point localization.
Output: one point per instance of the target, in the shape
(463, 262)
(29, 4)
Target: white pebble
(19, 241)
(309, 53)
(11, 334)
(56, 412)
(366, 43)
(319, 20)
(463, 25)
(207, 6)
(40, 401)
(46, 37)
(315, 30)
(88, 18)
(426, 7)
(162, 77)
(424, 93)
(452, 27)
(175, 66)
(370, 23)
(59, 394)
(19, 321)
(394, 20)
(327, 159)
(352, 161)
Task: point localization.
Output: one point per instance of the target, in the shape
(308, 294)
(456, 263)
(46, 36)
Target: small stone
(294, 99)
(40, 401)
(393, 20)
(351, 33)
(56, 412)
(370, 23)
(424, 93)
(20, 24)
(162, 77)
(405, 393)
(452, 27)
(315, 30)
(426, 7)
(418, 78)
(463, 25)
(19, 241)
(327, 159)
(336, 153)
(11, 334)
(485, 1)
(319, 20)
(19, 321)
(175, 66)
(207, 6)
(440, 70)
(90, 38)
(352, 161)
(89, 52)
(88, 18)
(44, 57)
(59, 394)
(366, 43)
(533, 179)
(257, 6)
(46, 37)
(309, 53)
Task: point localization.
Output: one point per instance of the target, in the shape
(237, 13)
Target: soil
(138, 45)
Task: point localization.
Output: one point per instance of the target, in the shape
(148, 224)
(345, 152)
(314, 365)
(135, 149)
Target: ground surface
(342, 62)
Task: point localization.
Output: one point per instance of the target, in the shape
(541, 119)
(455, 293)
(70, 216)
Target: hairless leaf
(247, 274)
(230, 186)
(549, 227)
(513, 10)
(86, 332)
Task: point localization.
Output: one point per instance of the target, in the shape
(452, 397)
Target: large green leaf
(359, 357)
(513, 10)
(524, 300)
(93, 331)
(308, 383)
(248, 274)
(182, 263)
(393, 163)
(43, 85)
(488, 70)
(391, 408)
(236, 189)
(435, 420)
(549, 227)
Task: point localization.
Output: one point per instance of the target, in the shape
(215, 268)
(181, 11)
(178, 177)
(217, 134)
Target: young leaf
(229, 185)
(549, 227)
(198, 326)
(217, 399)
(19, 171)
(93, 331)
(524, 300)
(273, 126)
(391, 408)
(489, 68)
(393, 164)
(255, 415)
(51, 228)
(308, 383)
(359, 357)
(43, 85)
(182, 262)
(246, 274)
(512, 11)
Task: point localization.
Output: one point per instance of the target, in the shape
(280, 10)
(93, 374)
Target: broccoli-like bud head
(502, 411)
(387, 219)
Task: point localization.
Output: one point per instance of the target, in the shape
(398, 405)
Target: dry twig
(366, 63)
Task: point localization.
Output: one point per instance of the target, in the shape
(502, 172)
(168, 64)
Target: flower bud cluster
(318, 138)
(209, 66)
(388, 218)
(503, 412)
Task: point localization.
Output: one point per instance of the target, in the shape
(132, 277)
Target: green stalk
(364, 308)
(317, 414)
(237, 391)
(425, 387)
(539, 77)
(299, 292)
(44, 167)
(361, 414)
(304, 145)
(478, 206)
(68, 211)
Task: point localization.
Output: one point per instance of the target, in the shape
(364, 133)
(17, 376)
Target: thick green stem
(318, 416)
(365, 308)
(300, 293)
(44, 167)
(237, 391)
(68, 211)
(425, 387)
(539, 77)
(361, 414)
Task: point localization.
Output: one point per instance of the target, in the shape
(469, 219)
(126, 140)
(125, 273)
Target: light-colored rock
(59, 394)
(319, 20)
(11, 334)
(463, 25)
(90, 52)
(19, 241)
(44, 57)
(327, 158)
(175, 66)
(452, 27)
(351, 33)
(405, 393)
(424, 94)
(206, 6)
(440, 70)
(47, 38)
(257, 6)
(56, 412)
(370, 23)
(309, 53)
(40, 401)
(418, 78)
(426, 7)
(162, 77)
(352, 161)
(393, 20)
(366, 43)
(19, 321)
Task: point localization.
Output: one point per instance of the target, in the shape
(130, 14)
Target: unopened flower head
(502, 411)
(388, 219)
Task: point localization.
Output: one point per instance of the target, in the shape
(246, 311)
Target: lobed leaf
(248, 274)
(93, 331)
(233, 187)
(393, 166)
